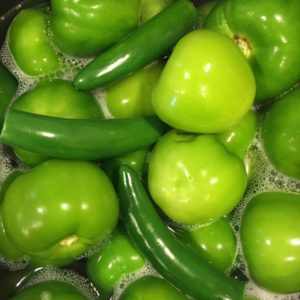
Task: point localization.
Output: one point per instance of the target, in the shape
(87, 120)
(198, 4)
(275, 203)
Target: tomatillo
(281, 133)
(150, 8)
(268, 34)
(84, 28)
(52, 289)
(112, 263)
(194, 178)
(149, 288)
(203, 89)
(238, 138)
(270, 235)
(29, 45)
(132, 96)
(216, 242)
(59, 209)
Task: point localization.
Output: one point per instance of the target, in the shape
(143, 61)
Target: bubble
(12, 265)
(96, 248)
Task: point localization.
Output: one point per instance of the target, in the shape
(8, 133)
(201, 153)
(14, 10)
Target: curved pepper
(79, 139)
(144, 45)
(189, 272)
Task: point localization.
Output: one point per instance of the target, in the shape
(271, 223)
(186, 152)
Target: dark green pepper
(144, 45)
(79, 139)
(179, 264)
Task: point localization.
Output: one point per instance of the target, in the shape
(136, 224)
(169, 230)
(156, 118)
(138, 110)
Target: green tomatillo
(150, 8)
(281, 133)
(52, 289)
(149, 288)
(84, 28)
(7, 249)
(132, 96)
(267, 32)
(112, 263)
(270, 235)
(59, 209)
(203, 89)
(238, 138)
(194, 178)
(29, 45)
(215, 241)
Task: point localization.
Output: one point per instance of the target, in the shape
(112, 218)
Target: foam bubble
(96, 248)
(12, 265)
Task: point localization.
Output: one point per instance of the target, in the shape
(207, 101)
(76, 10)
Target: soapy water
(264, 177)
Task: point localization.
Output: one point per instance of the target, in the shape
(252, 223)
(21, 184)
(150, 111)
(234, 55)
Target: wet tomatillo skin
(149, 288)
(149, 8)
(29, 45)
(119, 258)
(194, 178)
(53, 289)
(57, 98)
(268, 35)
(84, 28)
(136, 160)
(281, 133)
(215, 241)
(7, 249)
(57, 210)
(203, 89)
(132, 96)
(270, 234)
(238, 138)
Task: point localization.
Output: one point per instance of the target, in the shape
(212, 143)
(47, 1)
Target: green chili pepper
(79, 139)
(180, 265)
(144, 45)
